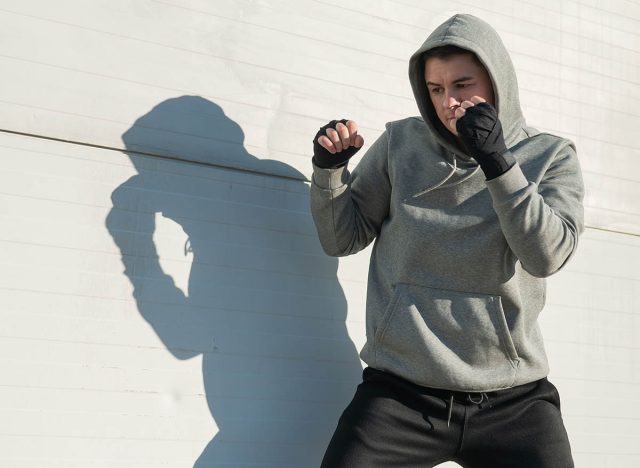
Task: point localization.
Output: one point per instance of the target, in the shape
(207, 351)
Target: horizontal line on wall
(207, 221)
(155, 155)
(100, 390)
(592, 345)
(196, 307)
(611, 210)
(219, 100)
(206, 353)
(250, 443)
(209, 264)
(158, 170)
(597, 381)
(613, 231)
(294, 211)
(162, 393)
(610, 176)
(55, 436)
(623, 456)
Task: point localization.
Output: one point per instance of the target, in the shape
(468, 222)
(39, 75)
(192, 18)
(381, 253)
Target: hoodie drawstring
(483, 397)
(439, 184)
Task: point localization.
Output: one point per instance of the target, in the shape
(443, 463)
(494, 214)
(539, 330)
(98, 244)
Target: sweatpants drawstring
(483, 397)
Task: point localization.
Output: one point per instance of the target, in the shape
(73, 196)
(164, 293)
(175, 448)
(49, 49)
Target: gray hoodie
(457, 271)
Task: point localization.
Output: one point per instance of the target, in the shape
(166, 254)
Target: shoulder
(411, 146)
(406, 124)
(545, 157)
(407, 132)
(548, 141)
(543, 146)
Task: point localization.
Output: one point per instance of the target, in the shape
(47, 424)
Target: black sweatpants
(394, 423)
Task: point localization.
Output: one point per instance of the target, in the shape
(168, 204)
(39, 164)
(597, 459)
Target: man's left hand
(481, 135)
(479, 129)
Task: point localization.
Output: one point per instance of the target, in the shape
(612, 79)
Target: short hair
(446, 51)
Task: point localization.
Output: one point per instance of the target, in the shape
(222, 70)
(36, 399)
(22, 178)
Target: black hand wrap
(322, 157)
(480, 132)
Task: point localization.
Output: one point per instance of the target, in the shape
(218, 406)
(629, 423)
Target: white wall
(171, 303)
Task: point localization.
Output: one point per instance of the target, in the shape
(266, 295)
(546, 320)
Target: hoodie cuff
(330, 179)
(495, 165)
(506, 186)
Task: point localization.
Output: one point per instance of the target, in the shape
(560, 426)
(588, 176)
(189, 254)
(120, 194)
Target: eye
(435, 90)
(463, 85)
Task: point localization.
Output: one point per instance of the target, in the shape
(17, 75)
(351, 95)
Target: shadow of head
(192, 128)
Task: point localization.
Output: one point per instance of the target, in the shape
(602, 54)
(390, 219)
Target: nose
(450, 102)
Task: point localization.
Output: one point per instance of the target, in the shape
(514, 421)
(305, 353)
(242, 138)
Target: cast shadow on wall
(263, 305)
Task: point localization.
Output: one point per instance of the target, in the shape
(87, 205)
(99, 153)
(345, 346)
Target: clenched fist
(480, 132)
(336, 143)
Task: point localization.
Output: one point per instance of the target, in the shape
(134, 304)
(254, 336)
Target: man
(470, 210)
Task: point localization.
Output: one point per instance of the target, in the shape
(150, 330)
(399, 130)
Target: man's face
(455, 79)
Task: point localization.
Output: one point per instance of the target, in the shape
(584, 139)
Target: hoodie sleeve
(542, 221)
(348, 209)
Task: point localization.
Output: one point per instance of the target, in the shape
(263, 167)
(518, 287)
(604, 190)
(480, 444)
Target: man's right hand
(335, 143)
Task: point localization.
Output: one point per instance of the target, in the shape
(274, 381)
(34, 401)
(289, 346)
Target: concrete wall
(163, 296)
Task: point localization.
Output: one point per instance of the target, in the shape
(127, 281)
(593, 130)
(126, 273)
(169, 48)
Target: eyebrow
(464, 78)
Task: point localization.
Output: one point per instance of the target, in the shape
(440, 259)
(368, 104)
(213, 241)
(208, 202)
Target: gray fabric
(456, 277)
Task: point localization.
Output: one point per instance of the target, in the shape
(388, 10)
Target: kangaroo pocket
(446, 339)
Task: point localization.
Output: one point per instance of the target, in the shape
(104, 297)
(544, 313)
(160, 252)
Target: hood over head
(473, 34)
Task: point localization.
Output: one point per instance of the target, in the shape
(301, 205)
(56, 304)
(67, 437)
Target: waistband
(467, 398)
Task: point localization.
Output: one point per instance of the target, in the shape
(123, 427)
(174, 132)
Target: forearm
(541, 238)
(339, 221)
(348, 208)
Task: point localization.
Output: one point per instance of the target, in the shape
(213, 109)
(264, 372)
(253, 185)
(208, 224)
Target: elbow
(333, 250)
(551, 257)
(548, 264)
(541, 270)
